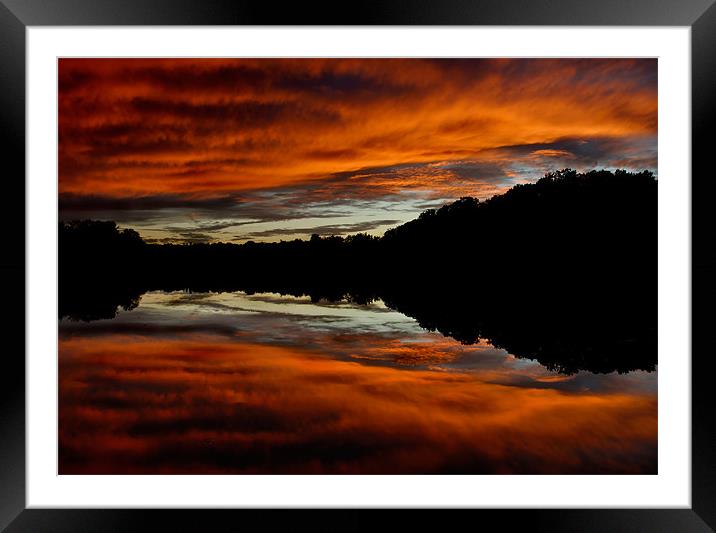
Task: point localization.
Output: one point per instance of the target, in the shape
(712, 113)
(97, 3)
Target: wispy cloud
(330, 229)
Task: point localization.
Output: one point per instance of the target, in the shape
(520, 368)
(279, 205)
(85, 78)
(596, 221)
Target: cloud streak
(329, 229)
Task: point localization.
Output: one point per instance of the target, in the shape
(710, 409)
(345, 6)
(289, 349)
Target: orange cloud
(201, 404)
(276, 140)
(136, 127)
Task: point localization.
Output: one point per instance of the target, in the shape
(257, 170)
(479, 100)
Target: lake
(237, 383)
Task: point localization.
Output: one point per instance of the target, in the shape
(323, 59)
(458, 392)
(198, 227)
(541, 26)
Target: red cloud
(140, 127)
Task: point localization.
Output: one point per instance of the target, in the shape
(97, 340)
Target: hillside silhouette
(563, 270)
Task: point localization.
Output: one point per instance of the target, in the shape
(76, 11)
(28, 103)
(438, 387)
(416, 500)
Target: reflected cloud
(200, 404)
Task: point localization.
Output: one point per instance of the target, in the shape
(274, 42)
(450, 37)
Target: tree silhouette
(563, 270)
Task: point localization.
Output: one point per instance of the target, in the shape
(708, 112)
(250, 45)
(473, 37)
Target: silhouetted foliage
(563, 270)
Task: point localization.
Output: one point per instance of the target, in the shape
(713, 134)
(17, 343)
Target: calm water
(263, 383)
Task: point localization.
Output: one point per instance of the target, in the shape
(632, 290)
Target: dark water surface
(218, 383)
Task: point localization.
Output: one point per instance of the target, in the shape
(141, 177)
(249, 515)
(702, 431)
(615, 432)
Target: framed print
(421, 258)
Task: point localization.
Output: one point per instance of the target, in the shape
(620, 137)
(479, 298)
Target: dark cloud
(200, 215)
(184, 237)
(332, 229)
(626, 152)
(594, 148)
(246, 114)
(476, 170)
(68, 81)
(208, 226)
(79, 203)
(220, 77)
(194, 236)
(139, 146)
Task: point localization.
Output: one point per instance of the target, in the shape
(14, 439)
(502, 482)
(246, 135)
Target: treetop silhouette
(563, 270)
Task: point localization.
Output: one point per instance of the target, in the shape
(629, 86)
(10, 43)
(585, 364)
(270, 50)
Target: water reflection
(264, 383)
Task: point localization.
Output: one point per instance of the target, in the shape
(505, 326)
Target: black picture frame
(16, 15)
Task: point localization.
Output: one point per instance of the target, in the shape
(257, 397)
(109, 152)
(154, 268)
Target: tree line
(563, 268)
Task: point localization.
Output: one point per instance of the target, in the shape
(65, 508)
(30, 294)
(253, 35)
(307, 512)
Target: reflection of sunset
(229, 149)
(207, 404)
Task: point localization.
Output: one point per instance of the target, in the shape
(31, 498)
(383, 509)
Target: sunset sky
(195, 150)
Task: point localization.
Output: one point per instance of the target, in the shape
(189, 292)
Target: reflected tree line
(563, 270)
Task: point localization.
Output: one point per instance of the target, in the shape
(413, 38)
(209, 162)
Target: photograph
(354, 265)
